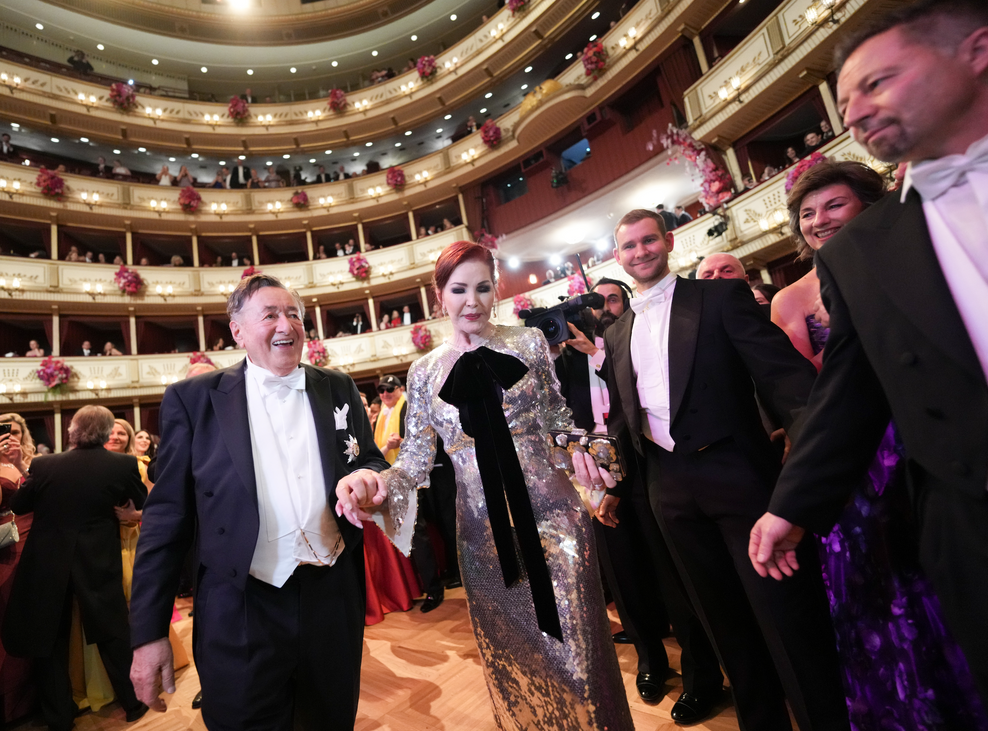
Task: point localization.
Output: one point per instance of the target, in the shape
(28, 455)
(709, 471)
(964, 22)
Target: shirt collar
(976, 148)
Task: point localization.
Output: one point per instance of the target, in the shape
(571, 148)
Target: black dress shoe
(197, 701)
(690, 709)
(649, 687)
(621, 638)
(454, 583)
(432, 601)
(135, 714)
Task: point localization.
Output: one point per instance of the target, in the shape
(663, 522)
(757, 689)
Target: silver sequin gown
(535, 681)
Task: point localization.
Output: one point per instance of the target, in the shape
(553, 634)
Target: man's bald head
(721, 266)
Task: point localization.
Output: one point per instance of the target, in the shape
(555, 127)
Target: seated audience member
(410, 65)
(343, 174)
(118, 260)
(406, 315)
(385, 322)
(421, 232)
(248, 96)
(110, 349)
(6, 148)
(437, 310)
(764, 293)
(35, 350)
(101, 258)
(321, 253)
(220, 344)
(144, 262)
(272, 179)
(792, 157)
(721, 266)
(322, 176)
(749, 182)
(768, 172)
(447, 224)
(87, 349)
(297, 179)
(220, 180)
(247, 261)
(177, 261)
(102, 169)
(185, 179)
(550, 276)
(164, 177)
(812, 141)
(80, 63)
(120, 169)
(338, 249)
(682, 217)
(73, 254)
(235, 260)
(89, 258)
(255, 180)
(350, 248)
(358, 325)
(395, 318)
(431, 230)
(826, 131)
(218, 262)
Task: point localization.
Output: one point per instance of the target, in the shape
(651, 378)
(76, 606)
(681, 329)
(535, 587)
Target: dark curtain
(680, 70)
(788, 269)
(74, 331)
(46, 238)
(49, 420)
(149, 418)
(16, 339)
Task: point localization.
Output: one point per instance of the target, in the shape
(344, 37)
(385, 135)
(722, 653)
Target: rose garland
(485, 239)
(250, 272)
(801, 167)
(337, 100)
(198, 357)
(128, 280)
(517, 5)
(522, 302)
(189, 199)
(421, 337)
(300, 199)
(490, 133)
(717, 184)
(359, 266)
(122, 96)
(426, 67)
(50, 183)
(395, 178)
(317, 353)
(576, 285)
(594, 59)
(55, 374)
(238, 109)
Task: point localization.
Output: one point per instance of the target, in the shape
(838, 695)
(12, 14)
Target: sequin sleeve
(555, 413)
(413, 464)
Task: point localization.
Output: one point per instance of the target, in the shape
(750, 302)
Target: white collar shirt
(650, 359)
(296, 525)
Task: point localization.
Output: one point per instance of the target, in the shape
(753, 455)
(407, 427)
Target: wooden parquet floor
(421, 672)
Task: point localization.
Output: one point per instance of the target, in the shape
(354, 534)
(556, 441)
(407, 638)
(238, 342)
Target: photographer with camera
(647, 590)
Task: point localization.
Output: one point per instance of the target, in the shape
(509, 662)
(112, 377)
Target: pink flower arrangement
(522, 302)
(250, 272)
(55, 374)
(317, 353)
(576, 285)
(421, 337)
(485, 239)
(300, 199)
(516, 5)
(395, 178)
(128, 280)
(198, 357)
(717, 184)
(426, 67)
(337, 100)
(801, 167)
(594, 59)
(359, 266)
(238, 109)
(50, 183)
(122, 96)
(490, 133)
(189, 199)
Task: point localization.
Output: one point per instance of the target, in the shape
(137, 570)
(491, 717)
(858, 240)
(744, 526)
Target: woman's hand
(10, 451)
(128, 513)
(358, 490)
(594, 479)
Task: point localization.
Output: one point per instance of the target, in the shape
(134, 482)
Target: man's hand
(394, 441)
(580, 341)
(151, 671)
(772, 547)
(781, 434)
(128, 513)
(607, 512)
(360, 489)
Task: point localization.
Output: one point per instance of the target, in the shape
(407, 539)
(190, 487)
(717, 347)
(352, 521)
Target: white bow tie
(933, 178)
(281, 386)
(656, 295)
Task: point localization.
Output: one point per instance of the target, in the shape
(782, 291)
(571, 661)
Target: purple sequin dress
(902, 670)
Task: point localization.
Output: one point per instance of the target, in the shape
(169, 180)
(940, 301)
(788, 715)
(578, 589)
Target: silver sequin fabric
(535, 681)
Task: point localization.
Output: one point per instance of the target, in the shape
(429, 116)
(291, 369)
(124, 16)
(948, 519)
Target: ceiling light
(555, 260)
(408, 133)
(593, 37)
(368, 144)
(528, 69)
(415, 38)
(222, 162)
(356, 154)
(154, 62)
(335, 64)
(292, 70)
(484, 110)
(286, 156)
(328, 152)
(171, 159)
(595, 15)
(242, 157)
(373, 53)
(439, 131)
(54, 139)
(488, 95)
(524, 86)
(83, 139)
(397, 144)
(195, 155)
(15, 125)
(568, 56)
(448, 116)
(514, 262)
(142, 149)
(268, 164)
(39, 26)
(453, 17)
(204, 69)
(312, 160)
(250, 72)
(99, 46)
(116, 152)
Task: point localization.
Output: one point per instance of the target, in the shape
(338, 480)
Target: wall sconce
(469, 156)
(153, 114)
(164, 292)
(361, 106)
(532, 279)
(422, 177)
(336, 281)
(408, 88)
(89, 200)
(772, 220)
(497, 32)
(219, 210)
(398, 352)
(96, 385)
(159, 207)
(89, 102)
(91, 290)
(450, 65)
(686, 262)
(374, 192)
(15, 286)
(387, 271)
(264, 119)
(326, 201)
(15, 389)
(316, 115)
(15, 187)
(165, 380)
(274, 208)
(813, 14)
(723, 92)
(10, 82)
(211, 121)
(628, 41)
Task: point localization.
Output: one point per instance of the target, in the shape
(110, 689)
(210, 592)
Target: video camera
(552, 320)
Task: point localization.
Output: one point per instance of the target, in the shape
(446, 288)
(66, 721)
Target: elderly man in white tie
(906, 288)
(249, 463)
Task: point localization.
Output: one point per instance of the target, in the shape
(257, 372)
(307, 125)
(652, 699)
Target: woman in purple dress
(902, 670)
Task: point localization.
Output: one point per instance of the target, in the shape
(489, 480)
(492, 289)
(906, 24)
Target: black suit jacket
(74, 543)
(206, 485)
(236, 181)
(323, 178)
(897, 349)
(721, 349)
(573, 373)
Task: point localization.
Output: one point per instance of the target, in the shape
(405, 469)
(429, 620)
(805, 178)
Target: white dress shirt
(650, 358)
(600, 399)
(957, 218)
(296, 525)
(406, 318)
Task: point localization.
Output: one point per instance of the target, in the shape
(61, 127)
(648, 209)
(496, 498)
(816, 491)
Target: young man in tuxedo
(250, 456)
(683, 368)
(906, 288)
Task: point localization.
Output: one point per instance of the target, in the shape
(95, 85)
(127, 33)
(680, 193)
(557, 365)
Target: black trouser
(278, 659)
(953, 552)
(649, 594)
(55, 685)
(774, 637)
(436, 506)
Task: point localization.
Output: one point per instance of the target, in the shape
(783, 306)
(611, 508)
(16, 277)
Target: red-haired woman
(531, 578)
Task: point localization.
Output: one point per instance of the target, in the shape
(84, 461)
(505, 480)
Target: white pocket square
(341, 416)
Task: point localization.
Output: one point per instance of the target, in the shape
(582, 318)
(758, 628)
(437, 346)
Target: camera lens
(550, 328)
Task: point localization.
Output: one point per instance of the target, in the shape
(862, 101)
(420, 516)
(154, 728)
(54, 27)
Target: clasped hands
(358, 490)
(594, 478)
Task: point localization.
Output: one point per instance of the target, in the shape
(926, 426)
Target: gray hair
(248, 286)
(91, 426)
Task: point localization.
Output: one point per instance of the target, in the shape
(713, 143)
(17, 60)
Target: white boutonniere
(352, 449)
(340, 416)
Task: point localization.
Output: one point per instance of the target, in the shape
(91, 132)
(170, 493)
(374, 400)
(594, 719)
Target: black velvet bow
(475, 386)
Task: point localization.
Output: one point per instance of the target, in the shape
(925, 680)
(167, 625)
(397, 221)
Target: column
(373, 314)
(129, 245)
(308, 242)
(424, 294)
(256, 260)
(58, 428)
(54, 237)
(56, 344)
(831, 104)
(319, 326)
(202, 329)
(411, 225)
(766, 277)
(360, 237)
(734, 167)
(133, 332)
(137, 415)
(701, 54)
(195, 246)
(463, 208)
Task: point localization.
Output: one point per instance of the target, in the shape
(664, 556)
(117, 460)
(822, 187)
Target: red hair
(460, 253)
